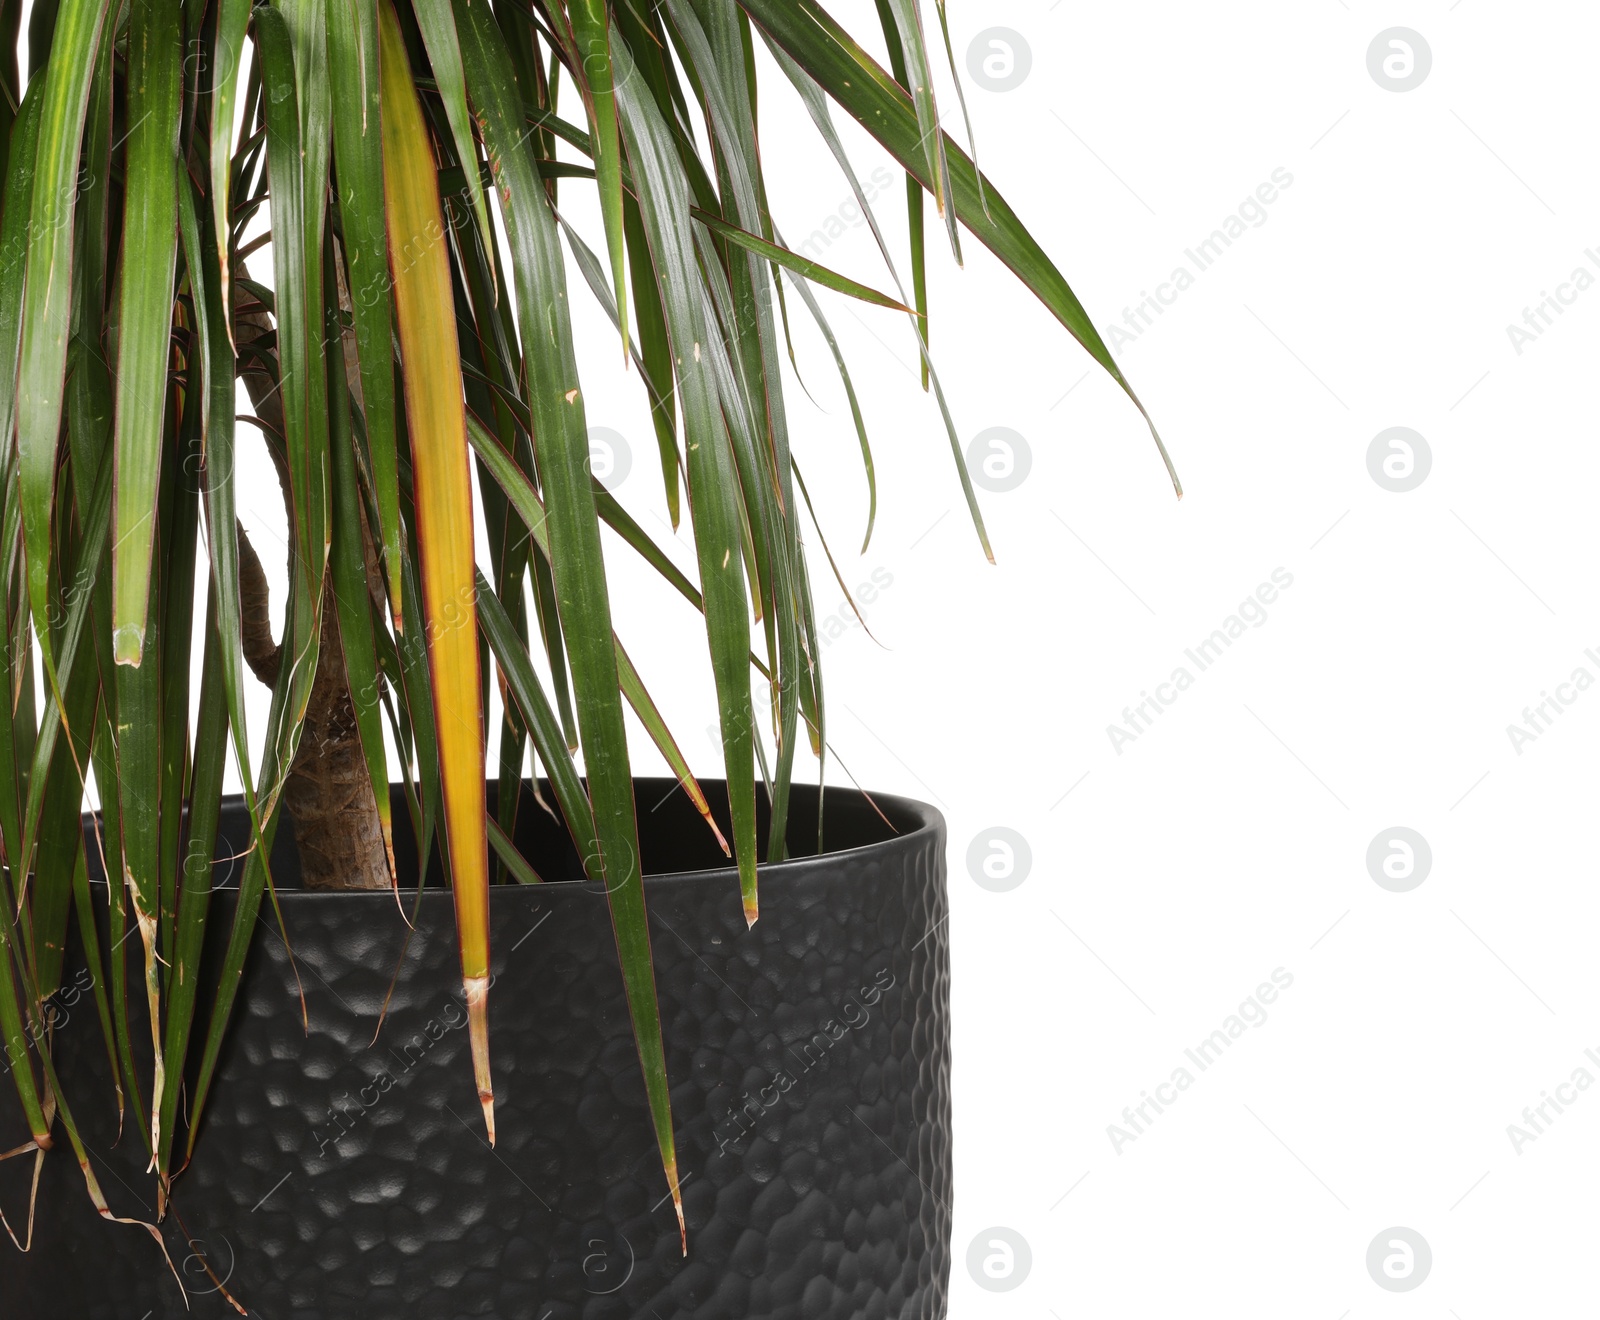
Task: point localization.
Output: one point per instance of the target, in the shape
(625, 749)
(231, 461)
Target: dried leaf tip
(677, 1204)
(752, 911)
(477, 988)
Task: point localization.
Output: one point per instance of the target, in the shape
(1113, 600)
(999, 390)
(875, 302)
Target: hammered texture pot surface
(342, 1177)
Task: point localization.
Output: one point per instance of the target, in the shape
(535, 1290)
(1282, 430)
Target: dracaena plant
(402, 161)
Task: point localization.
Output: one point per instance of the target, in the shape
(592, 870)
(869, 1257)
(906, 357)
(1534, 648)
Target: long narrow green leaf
(812, 95)
(217, 470)
(107, 838)
(548, 122)
(655, 350)
(594, 276)
(664, 207)
(747, 48)
(179, 539)
(299, 205)
(14, 230)
(144, 328)
(91, 400)
(919, 267)
(793, 261)
(349, 565)
(918, 235)
(45, 320)
(150, 254)
(90, 410)
(503, 469)
(749, 380)
(61, 834)
(194, 896)
(855, 406)
(18, 1036)
(622, 523)
(95, 518)
(89, 933)
(655, 725)
(591, 43)
(716, 52)
(653, 356)
(138, 744)
(556, 404)
(513, 860)
(415, 685)
(815, 103)
(908, 21)
(438, 26)
(16, 203)
(358, 157)
(543, 586)
(522, 682)
(961, 96)
(305, 419)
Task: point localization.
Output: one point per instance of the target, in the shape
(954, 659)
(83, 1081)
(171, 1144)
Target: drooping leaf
(961, 96)
(918, 77)
(524, 688)
(436, 417)
(303, 386)
(555, 402)
(815, 103)
(501, 636)
(810, 35)
(867, 464)
(695, 343)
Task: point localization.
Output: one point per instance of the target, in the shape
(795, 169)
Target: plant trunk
(328, 792)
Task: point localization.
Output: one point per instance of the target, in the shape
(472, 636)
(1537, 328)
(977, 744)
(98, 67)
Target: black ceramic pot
(338, 1178)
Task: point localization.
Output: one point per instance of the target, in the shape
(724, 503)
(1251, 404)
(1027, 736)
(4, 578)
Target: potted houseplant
(337, 1048)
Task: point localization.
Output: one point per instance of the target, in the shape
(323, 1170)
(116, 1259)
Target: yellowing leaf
(436, 414)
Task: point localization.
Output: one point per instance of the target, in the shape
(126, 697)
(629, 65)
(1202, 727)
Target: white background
(1231, 839)
(1169, 879)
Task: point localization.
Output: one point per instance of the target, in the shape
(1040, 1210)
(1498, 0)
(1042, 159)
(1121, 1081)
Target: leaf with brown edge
(437, 420)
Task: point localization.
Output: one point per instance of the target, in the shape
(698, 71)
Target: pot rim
(930, 823)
